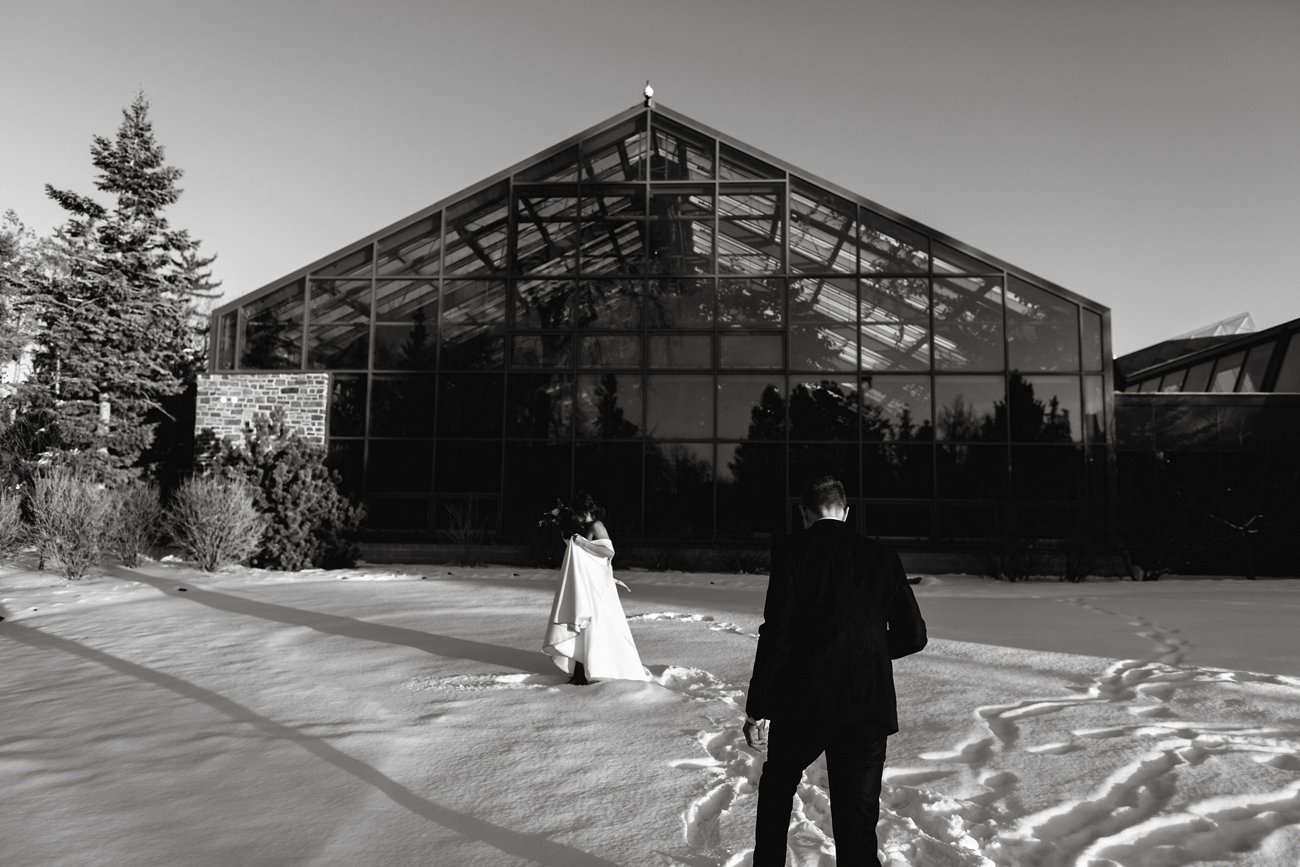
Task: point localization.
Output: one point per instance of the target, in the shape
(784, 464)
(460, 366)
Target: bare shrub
(137, 518)
(13, 531)
(70, 515)
(467, 528)
(215, 521)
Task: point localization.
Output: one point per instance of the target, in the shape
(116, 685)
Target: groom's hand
(756, 733)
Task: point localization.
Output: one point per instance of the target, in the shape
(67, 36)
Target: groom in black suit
(839, 610)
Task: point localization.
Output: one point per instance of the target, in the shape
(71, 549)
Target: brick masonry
(226, 401)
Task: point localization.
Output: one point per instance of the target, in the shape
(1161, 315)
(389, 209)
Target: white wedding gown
(587, 622)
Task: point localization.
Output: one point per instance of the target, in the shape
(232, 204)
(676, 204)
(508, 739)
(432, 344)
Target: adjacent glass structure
(692, 330)
(1206, 456)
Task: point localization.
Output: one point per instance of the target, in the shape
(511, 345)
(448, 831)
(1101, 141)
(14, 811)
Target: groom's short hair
(825, 493)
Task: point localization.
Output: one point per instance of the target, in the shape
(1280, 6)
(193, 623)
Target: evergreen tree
(121, 330)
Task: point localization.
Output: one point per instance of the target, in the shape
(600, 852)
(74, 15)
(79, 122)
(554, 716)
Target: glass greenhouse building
(691, 329)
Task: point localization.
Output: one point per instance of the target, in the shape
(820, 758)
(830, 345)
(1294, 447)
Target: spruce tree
(121, 329)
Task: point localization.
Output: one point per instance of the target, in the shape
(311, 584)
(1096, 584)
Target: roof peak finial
(649, 94)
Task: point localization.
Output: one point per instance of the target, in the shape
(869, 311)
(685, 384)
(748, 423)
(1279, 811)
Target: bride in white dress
(587, 636)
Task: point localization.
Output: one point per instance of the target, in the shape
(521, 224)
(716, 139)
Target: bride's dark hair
(584, 503)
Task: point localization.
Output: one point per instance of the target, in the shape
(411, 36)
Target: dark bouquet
(561, 518)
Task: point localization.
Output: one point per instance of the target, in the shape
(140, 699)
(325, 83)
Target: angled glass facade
(692, 330)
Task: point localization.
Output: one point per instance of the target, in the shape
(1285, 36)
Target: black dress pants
(855, 761)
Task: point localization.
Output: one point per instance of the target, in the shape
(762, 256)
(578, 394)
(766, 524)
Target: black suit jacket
(838, 611)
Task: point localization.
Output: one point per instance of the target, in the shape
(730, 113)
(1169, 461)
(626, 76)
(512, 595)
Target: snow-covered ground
(406, 716)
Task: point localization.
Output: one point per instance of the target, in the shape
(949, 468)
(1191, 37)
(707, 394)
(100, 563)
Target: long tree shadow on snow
(347, 627)
(531, 847)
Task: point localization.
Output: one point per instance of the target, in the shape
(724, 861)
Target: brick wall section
(227, 400)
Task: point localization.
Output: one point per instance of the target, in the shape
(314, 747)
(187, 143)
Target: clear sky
(1143, 153)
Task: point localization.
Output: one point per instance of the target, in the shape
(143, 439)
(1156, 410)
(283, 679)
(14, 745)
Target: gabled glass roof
(830, 230)
(654, 198)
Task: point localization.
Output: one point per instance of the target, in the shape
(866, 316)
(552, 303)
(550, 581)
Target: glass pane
(338, 302)
(1252, 372)
(404, 300)
(898, 470)
(412, 250)
(751, 407)
(895, 299)
(885, 247)
(539, 405)
(971, 471)
(400, 465)
(616, 155)
(680, 247)
(678, 153)
(397, 513)
(401, 406)
(823, 231)
(469, 405)
(405, 347)
(751, 490)
(751, 351)
(898, 520)
(823, 410)
(810, 462)
(895, 345)
(347, 458)
(896, 408)
(476, 233)
(824, 300)
(968, 324)
(982, 522)
(895, 331)
(272, 327)
(751, 228)
(736, 165)
(473, 319)
(611, 304)
(1044, 409)
(454, 515)
(612, 473)
(227, 333)
(680, 407)
(1094, 408)
(823, 347)
(347, 405)
(951, 261)
(1047, 472)
(750, 303)
(679, 490)
(970, 408)
(354, 264)
(1288, 378)
(546, 230)
(335, 347)
(610, 350)
(608, 405)
(1172, 381)
(681, 350)
(544, 303)
(1042, 329)
(613, 247)
(536, 475)
(1151, 384)
(1225, 372)
(1092, 348)
(1198, 377)
(612, 202)
(466, 467)
(562, 166)
(680, 303)
(541, 350)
